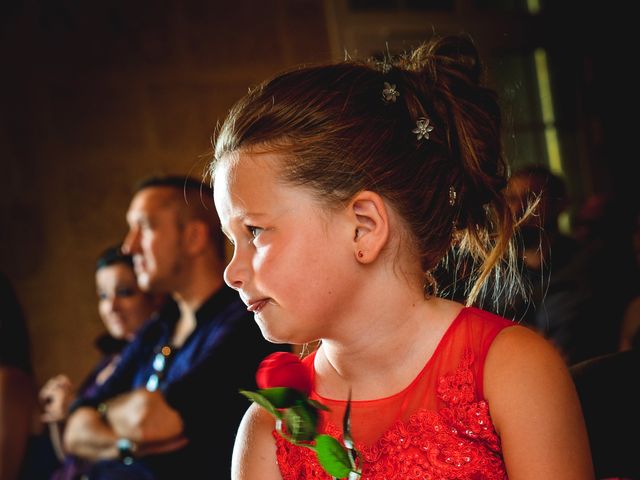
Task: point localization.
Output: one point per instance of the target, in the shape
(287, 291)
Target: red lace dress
(437, 428)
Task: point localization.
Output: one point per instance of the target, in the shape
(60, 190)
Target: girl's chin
(270, 334)
(280, 338)
(271, 337)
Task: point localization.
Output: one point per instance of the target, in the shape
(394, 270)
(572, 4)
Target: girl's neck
(386, 347)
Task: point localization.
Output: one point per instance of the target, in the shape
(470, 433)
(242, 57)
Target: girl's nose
(235, 275)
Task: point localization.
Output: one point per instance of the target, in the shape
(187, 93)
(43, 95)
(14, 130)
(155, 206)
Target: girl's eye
(254, 231)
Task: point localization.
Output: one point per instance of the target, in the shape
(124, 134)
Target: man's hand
(87, 436)
(144, 417)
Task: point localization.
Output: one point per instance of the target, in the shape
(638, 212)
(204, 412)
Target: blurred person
(171, 408)
(590, 218)
(124, 308)
(546, 255)
(630, 330)
(537, 198)
(606, 265)
(580, 285)
(609, 398)
(17, 387)
(543, 244)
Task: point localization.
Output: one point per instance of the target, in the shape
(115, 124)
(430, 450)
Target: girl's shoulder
(520, 342)
(476, 329)
(533, 404)
(254, 455)
(486, 318)
(520, 358)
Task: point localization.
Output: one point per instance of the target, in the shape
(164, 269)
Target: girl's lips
(258, 305)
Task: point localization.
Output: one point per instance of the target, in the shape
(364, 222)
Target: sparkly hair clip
(423, 128)
(389, 92)
(383, 66)
(453, 195)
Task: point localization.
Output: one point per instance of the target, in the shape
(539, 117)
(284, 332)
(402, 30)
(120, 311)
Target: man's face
(155, 239)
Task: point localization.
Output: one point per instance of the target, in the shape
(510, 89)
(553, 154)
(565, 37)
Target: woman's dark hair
(340, 135)
(113, 255)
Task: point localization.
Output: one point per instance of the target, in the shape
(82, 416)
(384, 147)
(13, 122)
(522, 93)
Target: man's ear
(371, 225)
(195, 236)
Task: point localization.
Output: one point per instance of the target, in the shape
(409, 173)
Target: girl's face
(123, 307)
(292, 258)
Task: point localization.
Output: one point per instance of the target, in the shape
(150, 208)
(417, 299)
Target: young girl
(342, 188)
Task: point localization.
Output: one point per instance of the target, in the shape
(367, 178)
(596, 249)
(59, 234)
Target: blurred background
(95, 96)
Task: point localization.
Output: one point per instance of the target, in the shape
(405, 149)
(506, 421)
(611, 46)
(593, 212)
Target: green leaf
(332, 456)
(262, 401)
(282, 397)
(317, 405)
(301, 420)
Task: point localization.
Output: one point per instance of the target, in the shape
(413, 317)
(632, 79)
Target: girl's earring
(360, 254)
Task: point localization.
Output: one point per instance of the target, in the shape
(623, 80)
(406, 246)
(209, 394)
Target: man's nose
(131, 243)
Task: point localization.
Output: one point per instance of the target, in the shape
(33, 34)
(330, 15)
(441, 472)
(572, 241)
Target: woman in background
(123, 308)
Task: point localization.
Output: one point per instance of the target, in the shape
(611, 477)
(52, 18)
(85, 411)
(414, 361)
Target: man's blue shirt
(200, 381)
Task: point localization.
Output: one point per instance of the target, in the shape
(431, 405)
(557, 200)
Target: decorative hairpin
(383, 66)
(452, 196)
(422, 128)
(389, 92)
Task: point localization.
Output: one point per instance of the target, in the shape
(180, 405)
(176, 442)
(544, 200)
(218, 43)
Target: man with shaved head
(172, 407)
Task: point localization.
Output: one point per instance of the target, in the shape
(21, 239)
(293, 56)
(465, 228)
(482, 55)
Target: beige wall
(93, 100)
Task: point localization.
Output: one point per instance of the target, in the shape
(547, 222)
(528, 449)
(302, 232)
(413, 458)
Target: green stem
(291, 439)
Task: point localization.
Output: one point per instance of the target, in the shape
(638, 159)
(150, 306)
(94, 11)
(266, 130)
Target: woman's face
(123, 307)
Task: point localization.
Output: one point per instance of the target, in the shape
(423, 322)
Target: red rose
(283, 369)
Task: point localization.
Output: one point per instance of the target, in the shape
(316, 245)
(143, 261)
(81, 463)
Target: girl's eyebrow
(242, 217)
(253, 214)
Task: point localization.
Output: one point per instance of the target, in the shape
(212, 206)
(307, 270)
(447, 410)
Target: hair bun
(454, 54)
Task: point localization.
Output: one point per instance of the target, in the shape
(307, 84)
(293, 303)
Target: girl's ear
(371, 222)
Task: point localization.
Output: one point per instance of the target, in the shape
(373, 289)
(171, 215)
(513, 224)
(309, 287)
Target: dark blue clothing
(200, 382)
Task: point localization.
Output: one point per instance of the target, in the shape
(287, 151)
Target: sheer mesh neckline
(439, 426)
(441, 343)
